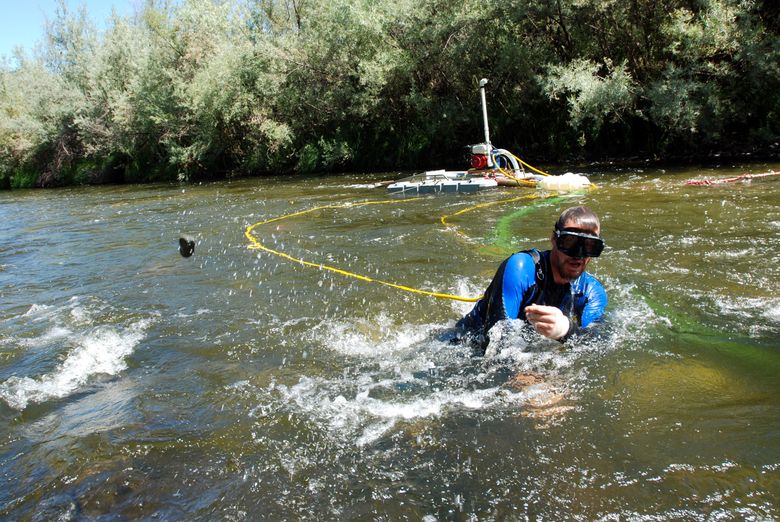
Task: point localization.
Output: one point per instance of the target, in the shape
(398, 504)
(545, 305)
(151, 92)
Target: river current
(239, 384)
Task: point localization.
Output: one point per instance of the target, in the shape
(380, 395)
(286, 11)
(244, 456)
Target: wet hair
(582, 217)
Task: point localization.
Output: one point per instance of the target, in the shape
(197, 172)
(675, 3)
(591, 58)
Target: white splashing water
(370, 337)
(54, 334)
(399, 372)
(749, 307)
(630, 320)
(403, 373)
(366, 418)
(466, 287)
(773, 313)
(101, 351)
(38, 312)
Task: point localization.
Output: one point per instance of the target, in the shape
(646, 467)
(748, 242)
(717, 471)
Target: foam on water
(100, 351)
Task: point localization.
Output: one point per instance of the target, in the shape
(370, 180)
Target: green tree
(212, 88)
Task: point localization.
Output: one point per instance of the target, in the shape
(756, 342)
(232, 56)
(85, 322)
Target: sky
(22, 21)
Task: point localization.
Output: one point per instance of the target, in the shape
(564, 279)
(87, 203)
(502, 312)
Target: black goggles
(578, 244)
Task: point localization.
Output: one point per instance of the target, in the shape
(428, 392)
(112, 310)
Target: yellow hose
(255, 244)
(523, 163)
(519, 181)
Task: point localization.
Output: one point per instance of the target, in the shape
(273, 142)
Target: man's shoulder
(531, 255)
(524, 260)
(520, 268)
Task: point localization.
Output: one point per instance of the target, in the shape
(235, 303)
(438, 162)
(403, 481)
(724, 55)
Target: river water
(238, 384)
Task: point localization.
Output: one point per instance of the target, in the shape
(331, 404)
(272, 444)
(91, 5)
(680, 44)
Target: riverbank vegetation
(206, 89)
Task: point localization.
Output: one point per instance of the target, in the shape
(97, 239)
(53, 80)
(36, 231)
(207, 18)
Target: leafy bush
(213, 88)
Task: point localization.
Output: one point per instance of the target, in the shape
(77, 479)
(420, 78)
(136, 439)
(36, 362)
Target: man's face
(567, 268)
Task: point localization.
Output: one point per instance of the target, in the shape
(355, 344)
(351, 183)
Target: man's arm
(595, 304)
(504, 297)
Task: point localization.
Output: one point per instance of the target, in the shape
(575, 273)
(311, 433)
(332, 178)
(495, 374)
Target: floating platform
(442, 181)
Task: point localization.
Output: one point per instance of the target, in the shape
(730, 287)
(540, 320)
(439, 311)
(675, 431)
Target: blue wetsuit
(520, 281)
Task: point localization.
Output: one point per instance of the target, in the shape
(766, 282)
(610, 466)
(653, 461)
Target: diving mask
(578, 244)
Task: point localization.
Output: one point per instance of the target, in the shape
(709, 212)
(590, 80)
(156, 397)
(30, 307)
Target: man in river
(550, 290)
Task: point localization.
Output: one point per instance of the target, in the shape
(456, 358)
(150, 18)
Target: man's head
(575, 241)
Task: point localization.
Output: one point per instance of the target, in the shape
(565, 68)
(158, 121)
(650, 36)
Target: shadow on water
(236, 384)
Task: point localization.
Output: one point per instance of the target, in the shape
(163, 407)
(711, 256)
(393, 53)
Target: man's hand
(547, 320)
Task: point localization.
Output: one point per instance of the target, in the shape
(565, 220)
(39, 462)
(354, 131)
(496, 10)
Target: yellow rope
(519, 181)
(530, 166)
(488, 204)
(257, 245)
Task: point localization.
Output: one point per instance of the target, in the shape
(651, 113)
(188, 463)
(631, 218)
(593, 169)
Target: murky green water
(239, 385)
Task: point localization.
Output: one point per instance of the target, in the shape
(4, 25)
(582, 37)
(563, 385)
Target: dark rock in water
(186, 246)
